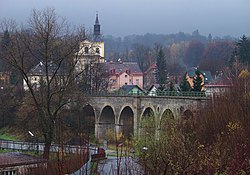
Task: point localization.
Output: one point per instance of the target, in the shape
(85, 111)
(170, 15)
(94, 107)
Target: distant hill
(119, 46)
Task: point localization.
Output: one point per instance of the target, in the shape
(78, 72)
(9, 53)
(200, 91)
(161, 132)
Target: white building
(37, 75)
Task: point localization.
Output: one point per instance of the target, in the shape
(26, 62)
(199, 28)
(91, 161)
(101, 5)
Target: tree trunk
(46, 150)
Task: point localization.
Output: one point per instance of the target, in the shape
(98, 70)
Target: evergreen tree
(242, 51)
(161, 67)
(197, 81)
(185, 86)
(5, 40)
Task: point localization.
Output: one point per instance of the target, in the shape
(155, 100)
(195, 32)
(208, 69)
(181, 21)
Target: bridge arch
(148, 111)
(126, 121)
(106, 123)
(166, 119)
(107, 114)
(187, 114)
(148, 122)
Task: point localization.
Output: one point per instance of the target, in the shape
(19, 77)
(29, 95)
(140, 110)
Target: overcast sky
(124, 17)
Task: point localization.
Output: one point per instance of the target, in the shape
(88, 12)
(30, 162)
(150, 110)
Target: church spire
(97, 26)
(96, 19)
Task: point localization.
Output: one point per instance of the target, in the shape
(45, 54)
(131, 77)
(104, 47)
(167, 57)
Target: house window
(97, 50)
(86, 50)
(126, 76)
(137, 81)
(112, 80)
(126, 83)
(112, 71)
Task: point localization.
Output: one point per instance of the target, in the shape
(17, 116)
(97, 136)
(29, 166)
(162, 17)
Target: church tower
(97, 27)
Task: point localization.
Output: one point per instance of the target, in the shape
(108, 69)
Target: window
(112, 71)
(112, 80)
(128, 71)
(126, 76)
(126, 83)
(86, 50)
(97, 50)
(137, 81)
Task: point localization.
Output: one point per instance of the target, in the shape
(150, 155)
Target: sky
(125, 17)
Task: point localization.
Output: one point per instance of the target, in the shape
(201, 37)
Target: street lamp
(34, 140)
(30, 133)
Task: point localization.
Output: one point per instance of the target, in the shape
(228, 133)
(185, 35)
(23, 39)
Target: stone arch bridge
(125, 113)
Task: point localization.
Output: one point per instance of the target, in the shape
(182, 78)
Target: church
(91, 49)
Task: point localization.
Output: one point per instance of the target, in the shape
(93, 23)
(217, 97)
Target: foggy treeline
(116, 45)
(182, 50)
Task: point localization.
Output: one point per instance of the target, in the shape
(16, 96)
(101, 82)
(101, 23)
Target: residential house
(38, 75)
(123, 73)
(152, 91)
(131, 90)
(150, 76)
(15, 163)
(219, 85)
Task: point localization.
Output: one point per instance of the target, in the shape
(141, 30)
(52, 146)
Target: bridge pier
(118, 130)
(103, 131)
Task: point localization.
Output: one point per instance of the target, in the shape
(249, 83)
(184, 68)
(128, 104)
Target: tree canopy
(198, 83)
(52, 43)
(161, 67)
(185, 86)
(242, 51)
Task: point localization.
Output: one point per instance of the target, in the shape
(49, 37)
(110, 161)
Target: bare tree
(142, 56)
(50, 41)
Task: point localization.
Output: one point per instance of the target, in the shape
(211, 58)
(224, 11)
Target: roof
(18, 159)
(128, 88)
(154, 85)
(207, 75)
(221, 80)
(121, 67)
(39, 69)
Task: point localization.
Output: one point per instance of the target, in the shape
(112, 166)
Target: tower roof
(96, 19)
(97, 27)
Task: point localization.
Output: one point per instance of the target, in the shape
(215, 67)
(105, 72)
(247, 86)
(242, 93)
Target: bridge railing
(180, 93)
(155, 94)
(33, 146)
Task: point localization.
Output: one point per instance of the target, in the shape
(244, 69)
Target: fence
(39, 147)
(155, 93)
